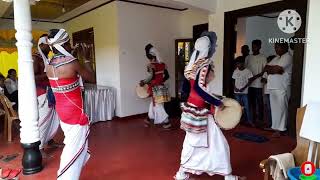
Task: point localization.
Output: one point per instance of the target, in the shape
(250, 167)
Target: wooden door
(85, 36)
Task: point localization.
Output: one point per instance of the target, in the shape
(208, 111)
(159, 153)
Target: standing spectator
(266, 97)
(245, 52)
(241, 77)
(256, 63)
(279, 85)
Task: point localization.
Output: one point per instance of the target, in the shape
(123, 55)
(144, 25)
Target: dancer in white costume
(48, 117)
(63, 72)
(157, 88)
(205, 149)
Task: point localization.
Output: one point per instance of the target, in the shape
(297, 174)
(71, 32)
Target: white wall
(138, 26)
(104, 21)
(121, 32)
(241, 34)
(44, 26)
(264, 28)
(311, 80)
(188, 19)
(216, 23)
(257, 27)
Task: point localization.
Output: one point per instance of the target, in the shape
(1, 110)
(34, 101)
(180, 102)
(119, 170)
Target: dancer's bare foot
(167, 125)
(233, 177)
(147, 122)
(45, 155)
(54, 144)
(181, 176)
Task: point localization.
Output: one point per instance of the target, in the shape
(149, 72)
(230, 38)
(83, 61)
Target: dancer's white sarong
(75, 153)
(48, 120)
(158, 113)
(206, 152)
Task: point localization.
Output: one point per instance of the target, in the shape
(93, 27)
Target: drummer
(158, 74)
(205, 149)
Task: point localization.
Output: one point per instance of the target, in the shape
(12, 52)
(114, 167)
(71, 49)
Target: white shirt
(256, 63)
(241, 79)
(265, 89)
(281, 81)
(11, 85)
(291, 52)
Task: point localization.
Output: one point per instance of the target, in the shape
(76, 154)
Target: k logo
(289, 21)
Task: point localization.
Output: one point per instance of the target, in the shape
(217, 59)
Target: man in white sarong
(279, 85)
(64, 72)
(48, 118)
(205, 149)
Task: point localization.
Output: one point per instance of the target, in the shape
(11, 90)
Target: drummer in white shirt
(279, 85)
(256, 63)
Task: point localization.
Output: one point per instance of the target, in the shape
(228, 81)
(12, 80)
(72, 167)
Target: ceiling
(49, 9)
(63, 10)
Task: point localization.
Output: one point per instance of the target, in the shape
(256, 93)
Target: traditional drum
(229, 117)
(142, 91)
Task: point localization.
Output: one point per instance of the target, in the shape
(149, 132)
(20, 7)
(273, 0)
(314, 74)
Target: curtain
(8, 50)
(8, 61)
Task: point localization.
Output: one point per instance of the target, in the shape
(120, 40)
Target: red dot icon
(308, 168)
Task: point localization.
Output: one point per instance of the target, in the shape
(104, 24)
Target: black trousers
(256, 103)
(13, 97)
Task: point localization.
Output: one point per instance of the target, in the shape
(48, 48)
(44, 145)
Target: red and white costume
(69, 106)
(157, 89)
(205, 149)
(48, 118)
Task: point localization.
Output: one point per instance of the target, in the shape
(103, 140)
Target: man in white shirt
(256, 63)
(279, 85)
(12, 82)
(266, 97)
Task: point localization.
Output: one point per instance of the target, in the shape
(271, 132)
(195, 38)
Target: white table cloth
(99, 102)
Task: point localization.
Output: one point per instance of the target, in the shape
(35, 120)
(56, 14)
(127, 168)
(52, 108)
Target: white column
(310, 80)
(28, 109)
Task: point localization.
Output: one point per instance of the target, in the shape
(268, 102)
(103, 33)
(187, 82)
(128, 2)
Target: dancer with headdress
(64, 73)
(205, 149)
(48, 117)
(157, 88)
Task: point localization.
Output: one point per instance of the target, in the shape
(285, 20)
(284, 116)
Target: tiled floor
(123, 149)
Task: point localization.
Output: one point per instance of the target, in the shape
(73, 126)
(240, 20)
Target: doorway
(230, 47)
(86, 36)
(183, 49)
